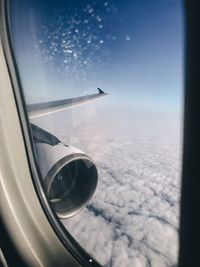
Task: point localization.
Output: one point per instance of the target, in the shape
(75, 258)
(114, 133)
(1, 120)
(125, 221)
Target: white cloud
(133, 218)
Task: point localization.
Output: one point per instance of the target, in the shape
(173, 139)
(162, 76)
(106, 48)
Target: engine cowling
(69, 175)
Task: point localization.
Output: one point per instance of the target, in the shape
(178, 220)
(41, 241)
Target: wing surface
(46, 108)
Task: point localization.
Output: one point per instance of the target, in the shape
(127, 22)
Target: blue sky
(131, 49)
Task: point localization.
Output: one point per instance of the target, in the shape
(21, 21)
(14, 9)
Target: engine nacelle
(70, 177)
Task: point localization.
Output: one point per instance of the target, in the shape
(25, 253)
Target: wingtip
(101, 91)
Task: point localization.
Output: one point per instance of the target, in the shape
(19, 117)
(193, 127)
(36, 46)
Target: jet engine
(69, 175)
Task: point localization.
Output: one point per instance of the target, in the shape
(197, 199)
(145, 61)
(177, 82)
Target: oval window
(102, 83)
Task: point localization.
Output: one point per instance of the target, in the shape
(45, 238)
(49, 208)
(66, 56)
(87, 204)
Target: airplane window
(103, 86)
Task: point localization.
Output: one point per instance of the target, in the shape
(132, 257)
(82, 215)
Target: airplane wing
(46, 108)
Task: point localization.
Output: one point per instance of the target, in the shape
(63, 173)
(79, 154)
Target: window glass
(110, 168)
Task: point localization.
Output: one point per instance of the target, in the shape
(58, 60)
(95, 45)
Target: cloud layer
(134, 214)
